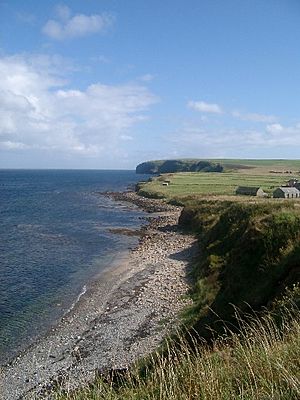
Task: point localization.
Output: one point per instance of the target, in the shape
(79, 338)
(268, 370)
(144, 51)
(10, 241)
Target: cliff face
(249, 256)
(169, 166)
(148, 167)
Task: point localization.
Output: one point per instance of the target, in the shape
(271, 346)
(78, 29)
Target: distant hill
(168, 166)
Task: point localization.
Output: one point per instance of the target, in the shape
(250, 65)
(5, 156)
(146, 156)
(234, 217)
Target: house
(286, 193)
(250, 191)
(292, 182)
(165, 184)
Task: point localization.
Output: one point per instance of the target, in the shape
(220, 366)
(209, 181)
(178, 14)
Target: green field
(283, 164)
(189, 183)
(267, 174)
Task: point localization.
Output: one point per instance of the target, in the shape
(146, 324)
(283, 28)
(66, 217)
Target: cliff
(169, 166)
(249, 257)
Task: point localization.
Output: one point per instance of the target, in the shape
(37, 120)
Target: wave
(83, 291)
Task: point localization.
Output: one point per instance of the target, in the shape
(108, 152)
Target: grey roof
(289, 190)
(247, 189)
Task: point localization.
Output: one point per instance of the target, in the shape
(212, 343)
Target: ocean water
(54, 239)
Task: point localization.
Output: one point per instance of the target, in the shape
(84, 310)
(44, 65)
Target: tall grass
(261, 362)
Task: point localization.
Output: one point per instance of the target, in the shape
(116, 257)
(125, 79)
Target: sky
(112, 83)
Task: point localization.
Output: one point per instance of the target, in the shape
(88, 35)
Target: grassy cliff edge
(244, 324)
(250, 256)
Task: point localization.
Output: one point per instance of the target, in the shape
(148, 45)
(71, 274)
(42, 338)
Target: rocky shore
(124, 315)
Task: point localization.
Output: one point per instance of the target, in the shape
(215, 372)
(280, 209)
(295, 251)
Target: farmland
(237, 173)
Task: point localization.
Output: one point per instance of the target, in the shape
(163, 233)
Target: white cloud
(68, 27)
(277, 134)
(207, 142)
(254, 117)
(126, 137)
(7, 145)
(205, 107)
(38, 112)
(274, 128)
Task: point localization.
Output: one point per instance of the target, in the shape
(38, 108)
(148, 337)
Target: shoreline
(86, 289)
(124, 314)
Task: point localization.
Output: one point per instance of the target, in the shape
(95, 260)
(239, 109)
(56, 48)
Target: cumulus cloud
(254, 117)
(79, 25)
(37, 110)
(203, 107)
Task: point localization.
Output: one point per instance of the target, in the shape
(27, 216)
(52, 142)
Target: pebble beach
(123, 315)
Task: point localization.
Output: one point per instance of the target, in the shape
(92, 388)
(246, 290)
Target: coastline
(123, 315)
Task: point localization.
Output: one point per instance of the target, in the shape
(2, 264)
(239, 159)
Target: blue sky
(111, 83)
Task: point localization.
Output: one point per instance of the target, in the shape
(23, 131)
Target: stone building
(286, 193)
(250, 191)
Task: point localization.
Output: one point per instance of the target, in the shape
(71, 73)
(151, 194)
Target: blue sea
(54, 240)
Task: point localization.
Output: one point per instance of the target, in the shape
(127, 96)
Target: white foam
(83, 291)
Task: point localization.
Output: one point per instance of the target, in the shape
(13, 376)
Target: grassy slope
(250, 252)
(261, 363)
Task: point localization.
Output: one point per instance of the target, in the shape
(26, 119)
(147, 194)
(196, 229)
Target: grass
(283, 164)
(260, 362)
(258, 173)
(209, 183)
(250, 252)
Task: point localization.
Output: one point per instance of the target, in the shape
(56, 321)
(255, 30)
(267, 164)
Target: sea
(55, 239)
